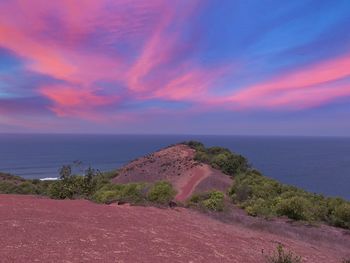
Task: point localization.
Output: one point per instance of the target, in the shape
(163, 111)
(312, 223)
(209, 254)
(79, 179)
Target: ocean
(317, 164)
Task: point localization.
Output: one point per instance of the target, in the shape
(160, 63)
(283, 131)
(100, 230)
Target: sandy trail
(192, 178)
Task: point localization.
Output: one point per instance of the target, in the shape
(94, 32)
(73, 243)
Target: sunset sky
(186, 66)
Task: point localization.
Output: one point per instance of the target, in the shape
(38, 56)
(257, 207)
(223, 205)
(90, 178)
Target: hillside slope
(175, 164)
(43, 230)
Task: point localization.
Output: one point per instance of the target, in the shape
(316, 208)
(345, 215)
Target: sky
(247, 67)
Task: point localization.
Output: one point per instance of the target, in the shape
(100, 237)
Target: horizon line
(176, 134)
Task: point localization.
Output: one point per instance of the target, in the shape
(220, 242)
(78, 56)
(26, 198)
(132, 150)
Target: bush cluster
(131, 193)
(220, 158)
(262, 196)
(10, 184)
(161, 192)
(213, 201)
(93, 185)
(136, 193)
(77, 186)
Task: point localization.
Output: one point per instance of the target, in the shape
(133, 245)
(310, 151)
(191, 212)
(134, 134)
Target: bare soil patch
(43, 230)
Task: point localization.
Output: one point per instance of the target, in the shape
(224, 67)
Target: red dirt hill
(175, 164)
(43, 230)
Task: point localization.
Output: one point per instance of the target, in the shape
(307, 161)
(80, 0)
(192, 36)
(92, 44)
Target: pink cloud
(77, 102)
(303, 88)
(24, 29)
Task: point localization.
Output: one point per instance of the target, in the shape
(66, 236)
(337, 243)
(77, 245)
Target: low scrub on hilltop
(220, 158)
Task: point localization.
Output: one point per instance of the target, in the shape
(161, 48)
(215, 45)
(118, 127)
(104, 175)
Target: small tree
(65, 172)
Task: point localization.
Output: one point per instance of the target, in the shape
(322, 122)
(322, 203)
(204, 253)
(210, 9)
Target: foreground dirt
(175, 164)
(43, 230)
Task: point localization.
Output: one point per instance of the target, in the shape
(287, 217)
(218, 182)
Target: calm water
(316, 164)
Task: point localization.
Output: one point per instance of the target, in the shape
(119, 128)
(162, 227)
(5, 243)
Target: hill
(44, 230)
(177, 165)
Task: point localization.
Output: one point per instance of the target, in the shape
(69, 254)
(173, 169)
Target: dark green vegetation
(131, 193)
(96, 186)
(93, 185)
(282, 256)
(262, 196)
(213, 201)
(160, 193)
(10, 184)
(220, 158)
(77, 186)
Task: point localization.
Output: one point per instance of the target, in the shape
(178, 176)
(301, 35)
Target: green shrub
(76, 186)
(61, 190)
(213, 201)
(8, 188)
(161, 192)
(131, 193)
(261, 207)
(297, 208)
(220, 158)
(282, 256)
(198, 146)
(106, 196)
(202, 157)
(341, 215)
(262, 196)
(10, 184)
(27, 188)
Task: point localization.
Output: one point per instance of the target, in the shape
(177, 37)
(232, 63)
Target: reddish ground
(175, 164)
(44, 230)
(186, 184)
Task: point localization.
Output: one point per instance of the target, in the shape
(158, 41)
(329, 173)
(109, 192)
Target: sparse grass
(282, 256)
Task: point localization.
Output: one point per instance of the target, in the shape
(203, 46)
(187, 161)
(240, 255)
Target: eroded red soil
(175, 164)
(43, 230)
